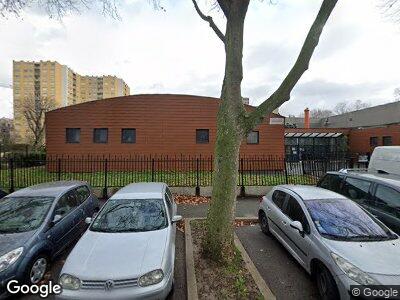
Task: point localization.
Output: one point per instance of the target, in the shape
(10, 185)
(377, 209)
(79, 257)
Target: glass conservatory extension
(315, 145)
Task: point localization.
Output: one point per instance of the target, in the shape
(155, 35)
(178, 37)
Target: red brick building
(362, 130)
(151, 125)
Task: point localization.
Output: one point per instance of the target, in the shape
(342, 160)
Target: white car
(333, 238)
(128, 252)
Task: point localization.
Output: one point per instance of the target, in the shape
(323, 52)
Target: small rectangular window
(373, 141)
(202, 136)
(73, 135)
(100, 135)
(128, 135)
(253, 137)
(387, 141)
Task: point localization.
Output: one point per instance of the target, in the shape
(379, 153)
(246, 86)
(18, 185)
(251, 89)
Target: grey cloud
(324, 94)
(269, 56)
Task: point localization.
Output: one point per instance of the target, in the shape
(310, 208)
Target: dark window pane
(82, 193)
(388, 200)
(253, 137)
(100, 135)
(202, 136)
(67, 203)
(73, 135)
(294, 211)
(373, 141)
(357, 189)
(387, 141)
(331, 182)
(128, 136)
(278, 197)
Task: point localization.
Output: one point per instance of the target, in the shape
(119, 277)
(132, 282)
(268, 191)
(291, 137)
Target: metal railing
(184, 171)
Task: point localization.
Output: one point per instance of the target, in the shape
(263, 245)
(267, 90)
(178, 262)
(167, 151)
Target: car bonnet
(378, 257)
(102, 256)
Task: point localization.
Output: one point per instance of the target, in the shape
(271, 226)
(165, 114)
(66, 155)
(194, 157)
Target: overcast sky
(174, 51)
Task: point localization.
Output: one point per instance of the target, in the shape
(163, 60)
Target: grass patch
(33, 175)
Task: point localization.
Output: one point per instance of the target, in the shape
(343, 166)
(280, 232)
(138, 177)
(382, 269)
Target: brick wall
(359, 139)
(165, 125)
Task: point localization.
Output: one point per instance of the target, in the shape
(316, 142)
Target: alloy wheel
(38, 270)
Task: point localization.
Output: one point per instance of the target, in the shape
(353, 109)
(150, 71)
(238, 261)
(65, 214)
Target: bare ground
(215, 281)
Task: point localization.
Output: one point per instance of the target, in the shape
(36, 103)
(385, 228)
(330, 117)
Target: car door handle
(268, 208)
(284, 222)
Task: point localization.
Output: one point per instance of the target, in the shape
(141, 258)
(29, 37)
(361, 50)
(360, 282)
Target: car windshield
(20, 214)
(127, 215)
(344, 220)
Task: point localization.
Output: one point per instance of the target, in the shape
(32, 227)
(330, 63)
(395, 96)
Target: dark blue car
(37, 224)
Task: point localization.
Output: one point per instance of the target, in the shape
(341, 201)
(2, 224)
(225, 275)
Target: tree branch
(282, 94)
(210, 21)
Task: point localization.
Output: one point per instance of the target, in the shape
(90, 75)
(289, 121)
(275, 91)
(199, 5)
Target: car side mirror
(88, 220)
(298, 226)
(176, 218)
(55, 220)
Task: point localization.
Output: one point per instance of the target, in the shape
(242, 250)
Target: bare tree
(345, 107)
(34, 110)
(318, 113)
(396, 94)
(391, 9)
(233, 121)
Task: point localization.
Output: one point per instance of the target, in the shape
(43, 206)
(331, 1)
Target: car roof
(379, 177)
(142, 190)
(48, 189)
(308, 192)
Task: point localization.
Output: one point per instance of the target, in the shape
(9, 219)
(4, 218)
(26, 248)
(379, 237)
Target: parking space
(285, 277)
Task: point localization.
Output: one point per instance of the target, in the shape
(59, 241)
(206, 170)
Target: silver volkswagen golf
(128, 252)
(332, 237)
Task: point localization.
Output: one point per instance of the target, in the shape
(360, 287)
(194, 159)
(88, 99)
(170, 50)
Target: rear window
(388, 199)
(331, 182)
(357, 189)
(345, 220)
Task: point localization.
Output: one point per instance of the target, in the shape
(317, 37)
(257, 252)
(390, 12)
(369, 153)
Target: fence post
(197, 178)
(241, 170)
(59, 169)
(105, 189)
(286, 172)
(11, 170)
(152, 169)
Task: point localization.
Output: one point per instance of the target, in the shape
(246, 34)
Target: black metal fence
(185, 171)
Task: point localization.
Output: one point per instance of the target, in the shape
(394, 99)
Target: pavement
(245, 207)
(284, 276)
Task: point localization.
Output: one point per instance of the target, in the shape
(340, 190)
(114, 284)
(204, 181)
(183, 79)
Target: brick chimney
(307, 118)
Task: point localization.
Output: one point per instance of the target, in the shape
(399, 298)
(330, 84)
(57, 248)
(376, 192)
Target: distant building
(60, 85)
(246, 100)
(363, 130)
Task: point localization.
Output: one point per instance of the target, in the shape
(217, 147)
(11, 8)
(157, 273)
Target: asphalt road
(284, 276)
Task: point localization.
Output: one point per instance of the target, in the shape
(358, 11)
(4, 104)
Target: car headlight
(9, 258)
(70, 282)
(151, 278)
(352, 271)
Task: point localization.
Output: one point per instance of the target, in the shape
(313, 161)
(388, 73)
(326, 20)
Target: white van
(385, 159)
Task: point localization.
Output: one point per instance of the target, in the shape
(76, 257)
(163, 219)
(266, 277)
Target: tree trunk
(218, 243)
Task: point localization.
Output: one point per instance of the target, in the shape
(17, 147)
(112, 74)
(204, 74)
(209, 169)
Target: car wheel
(262, 218)
(326, 284)
(37, 269)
